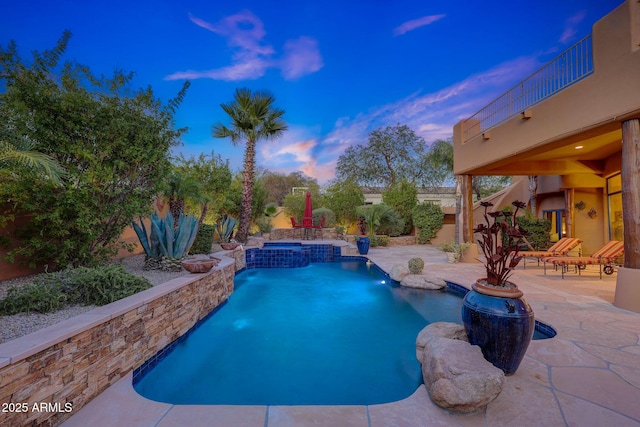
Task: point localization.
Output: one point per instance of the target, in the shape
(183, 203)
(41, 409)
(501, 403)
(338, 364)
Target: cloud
(252, 57)
(570, 27)
(301, 57)
(415, 23)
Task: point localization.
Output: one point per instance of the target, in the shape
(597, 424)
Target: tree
(403, 197)
(342, 197)
(112, 141)
(214, 176)
(392, 153)
(485, 186)
(279, 185)
(23, 155)
(179, 188)
(253, 118)
(233, 202)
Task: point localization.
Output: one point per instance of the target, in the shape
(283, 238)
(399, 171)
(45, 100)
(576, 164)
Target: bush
(403, 197)
(204, 240)
(539, 229)
(392, 225)
(265, 225)
(379, 241)
(428, 218)
(86, 286)
(329, 217)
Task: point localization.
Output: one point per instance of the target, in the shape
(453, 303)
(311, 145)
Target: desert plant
(416, 265)
(501, 254)
(224, 228)
(165, 241)
(265, 225)
(372, 214)
(379, 240)
(453, 247)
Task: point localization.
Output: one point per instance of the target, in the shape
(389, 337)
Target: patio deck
(588, 375)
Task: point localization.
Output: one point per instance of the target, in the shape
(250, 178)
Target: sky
(340, 69)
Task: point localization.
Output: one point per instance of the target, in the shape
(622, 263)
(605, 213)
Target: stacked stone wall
(81, 361)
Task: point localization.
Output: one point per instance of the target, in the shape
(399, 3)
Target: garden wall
(61, 368)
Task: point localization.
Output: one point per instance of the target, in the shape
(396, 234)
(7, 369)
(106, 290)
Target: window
(614, 200)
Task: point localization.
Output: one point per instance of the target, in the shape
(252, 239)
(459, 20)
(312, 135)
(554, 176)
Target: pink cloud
(570, 27)
(244, 33)
(301, 57)
(416, 23)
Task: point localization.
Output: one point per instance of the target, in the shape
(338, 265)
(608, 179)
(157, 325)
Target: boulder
(398, 272)
(455, 372)
(423, 281)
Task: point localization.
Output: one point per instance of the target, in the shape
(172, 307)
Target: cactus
(164, 240)
(416, 265)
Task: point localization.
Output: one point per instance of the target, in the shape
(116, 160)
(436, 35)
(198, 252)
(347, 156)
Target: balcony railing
(566, 69)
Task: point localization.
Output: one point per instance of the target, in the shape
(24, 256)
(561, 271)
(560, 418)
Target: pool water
(328, 334)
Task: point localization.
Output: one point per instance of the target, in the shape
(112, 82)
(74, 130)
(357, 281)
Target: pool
(330, 333)
(302, 337)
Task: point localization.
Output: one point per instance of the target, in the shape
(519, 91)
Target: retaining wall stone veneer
(75, 360)
(288, 233)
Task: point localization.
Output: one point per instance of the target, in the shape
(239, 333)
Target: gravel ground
(17, 325)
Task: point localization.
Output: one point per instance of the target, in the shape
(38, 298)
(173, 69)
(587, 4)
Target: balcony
(569, 67)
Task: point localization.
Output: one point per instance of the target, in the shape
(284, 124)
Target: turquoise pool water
(327, 334)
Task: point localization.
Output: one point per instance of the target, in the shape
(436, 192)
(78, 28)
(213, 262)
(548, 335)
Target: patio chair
(560, 248)
(605, 258)
(295, 226)
(318, 227)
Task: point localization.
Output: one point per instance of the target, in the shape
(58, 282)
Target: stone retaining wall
(74, 361)
(288, 233)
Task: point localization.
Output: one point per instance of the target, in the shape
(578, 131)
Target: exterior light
(578, 147)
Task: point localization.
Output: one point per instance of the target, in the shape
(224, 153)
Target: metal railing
(566, 69)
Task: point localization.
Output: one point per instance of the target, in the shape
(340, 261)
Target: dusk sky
(339, 69)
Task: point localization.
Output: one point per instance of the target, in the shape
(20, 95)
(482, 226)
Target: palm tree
(21, 154)
(180, 188)
(253, 117)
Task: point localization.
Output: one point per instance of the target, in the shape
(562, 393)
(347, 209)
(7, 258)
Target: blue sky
(340, 69)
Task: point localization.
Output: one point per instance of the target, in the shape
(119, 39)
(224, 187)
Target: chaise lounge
(561, 248)
(604, 257)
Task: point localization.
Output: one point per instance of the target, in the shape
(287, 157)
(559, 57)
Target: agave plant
(225, 227)
(164, 242)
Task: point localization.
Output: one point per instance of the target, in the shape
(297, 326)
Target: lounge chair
(560, 248)
(605, 257)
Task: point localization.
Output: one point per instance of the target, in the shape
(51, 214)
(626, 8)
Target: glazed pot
(501, 325)
(199, 265)
(363, 245)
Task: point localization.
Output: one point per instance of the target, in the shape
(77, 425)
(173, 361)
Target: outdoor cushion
(608, 254)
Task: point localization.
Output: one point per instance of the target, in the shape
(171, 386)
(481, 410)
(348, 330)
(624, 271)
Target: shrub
(265, 225)
(379, 241)
(538, 229)
(428, 218)
(329, 217)
(403, 197)
(416, 265)
(86, 286)
(32, 297)
(392, 225)
(204, 240)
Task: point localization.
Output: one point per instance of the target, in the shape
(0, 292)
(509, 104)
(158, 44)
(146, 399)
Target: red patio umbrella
(307, 219)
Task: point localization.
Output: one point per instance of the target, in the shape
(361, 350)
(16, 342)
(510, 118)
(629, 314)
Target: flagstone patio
(588, 375)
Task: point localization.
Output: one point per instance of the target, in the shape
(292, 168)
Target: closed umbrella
(307, 219)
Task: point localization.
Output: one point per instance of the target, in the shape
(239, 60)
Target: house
(443, 196)
(575, 125)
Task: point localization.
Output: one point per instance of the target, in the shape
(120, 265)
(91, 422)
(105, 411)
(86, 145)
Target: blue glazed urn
(501, 326)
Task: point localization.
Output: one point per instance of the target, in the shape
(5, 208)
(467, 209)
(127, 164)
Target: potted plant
(369, 217)
(495, 316)
(224, 228)
(453, 250)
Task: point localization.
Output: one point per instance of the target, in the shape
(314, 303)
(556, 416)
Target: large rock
(423, 281)
(398, 272)
(455, 372)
